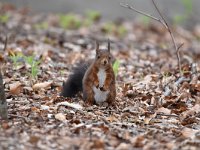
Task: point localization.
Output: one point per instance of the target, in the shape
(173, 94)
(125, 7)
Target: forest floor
(157, 106)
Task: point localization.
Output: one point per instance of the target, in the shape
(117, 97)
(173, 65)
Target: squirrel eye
(109, 57)
(98, 56)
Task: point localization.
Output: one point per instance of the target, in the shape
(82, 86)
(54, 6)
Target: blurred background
(181, 12)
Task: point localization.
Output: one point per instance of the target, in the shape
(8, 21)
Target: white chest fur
(100, 96)
(101, 76)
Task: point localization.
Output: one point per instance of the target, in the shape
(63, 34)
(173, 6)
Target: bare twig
(178, 57)
(3, 103)
(167, 115)
(164, 23)
(5, 44)
(141, 12)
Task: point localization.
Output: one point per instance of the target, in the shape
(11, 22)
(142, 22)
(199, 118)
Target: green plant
(121, 30)
(112, 28)
(93, 15)
(69, 21)
(145, 20)
(34, 65)
(42, 25)
(166, 74)
(15, 57)
(4, 18)
(116, 67)
(109, 27)
(188, 7)
(188, 4)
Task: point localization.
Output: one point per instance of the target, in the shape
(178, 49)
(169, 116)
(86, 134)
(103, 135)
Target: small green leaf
(93, 15)
(116, 67)
(122, 31)
(4, 18)
(145, 20)
(178, 19)
(188, 4)
(69, 21)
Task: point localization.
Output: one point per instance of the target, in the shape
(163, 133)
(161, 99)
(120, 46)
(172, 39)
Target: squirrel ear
(108, 45)
(97, 45)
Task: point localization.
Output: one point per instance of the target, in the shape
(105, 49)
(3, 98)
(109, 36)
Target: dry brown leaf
(164, 111)
(98, 144)
(34, 139)
(43, 85)
(189, 133)
(138, 141)
(15, 88)
(5, 125)
(196, 87)
(35, 109)
(188, 117)
(192, 111)
(123, 146)
(60, 117)
(72, 105)
(112, 118)
(147, 120)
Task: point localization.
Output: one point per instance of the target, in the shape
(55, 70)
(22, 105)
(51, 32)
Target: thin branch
(140, 12)
(166, 25)
(5, 44)
(171, 34)
(3, 103)
(167, 115)
(163, 22)
(178, 57)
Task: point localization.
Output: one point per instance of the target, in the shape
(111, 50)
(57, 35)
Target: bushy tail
(74, 83)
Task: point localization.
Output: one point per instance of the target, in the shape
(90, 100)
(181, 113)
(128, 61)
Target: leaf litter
(156, 107)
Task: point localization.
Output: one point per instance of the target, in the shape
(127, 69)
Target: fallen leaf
(15, 88)
(189, 133)
(138, 141)
(164, 111)
(72, 105)
(98, 144)
(60, 117)
(43, 85)
(34, 139)
(112, 118)
(123, 146)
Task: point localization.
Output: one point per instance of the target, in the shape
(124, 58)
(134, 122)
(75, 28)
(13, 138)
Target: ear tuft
(97, 46)
(108, 45)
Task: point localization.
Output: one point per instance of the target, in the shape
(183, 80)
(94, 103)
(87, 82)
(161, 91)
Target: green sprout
(112, 28)
(145, 20)
(15, 57)
(34, 65)
(188, 5)
(116, 67)
(122, 31)
(4, 18)
(93, 15)
(69, 21)
(42, 25)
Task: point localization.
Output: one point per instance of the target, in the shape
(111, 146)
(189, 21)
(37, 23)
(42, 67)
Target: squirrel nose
(105, 62)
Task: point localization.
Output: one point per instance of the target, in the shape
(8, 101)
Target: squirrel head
(103, 56)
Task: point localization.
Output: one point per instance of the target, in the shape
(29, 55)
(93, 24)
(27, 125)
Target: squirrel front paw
(96, 84)
(104, 88)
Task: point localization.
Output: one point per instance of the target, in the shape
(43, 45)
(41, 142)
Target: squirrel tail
(74, 83)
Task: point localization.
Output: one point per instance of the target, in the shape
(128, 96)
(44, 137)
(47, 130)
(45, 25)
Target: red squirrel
(96, 79)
